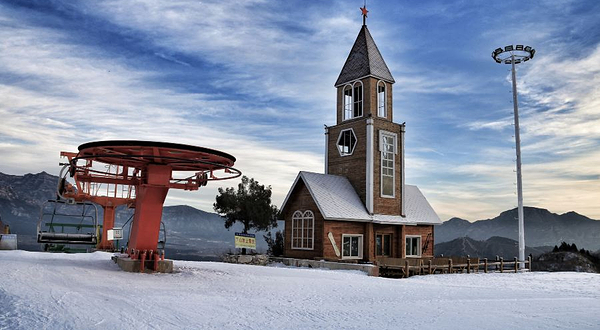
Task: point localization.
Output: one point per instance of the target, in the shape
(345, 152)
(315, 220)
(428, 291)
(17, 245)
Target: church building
(360, 208)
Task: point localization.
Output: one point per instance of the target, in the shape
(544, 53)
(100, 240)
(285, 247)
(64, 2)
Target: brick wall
(337, 228)
(386, 205)
(354, 166)
(369, 100)
(422, 231)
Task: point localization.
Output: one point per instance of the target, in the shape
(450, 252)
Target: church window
(381, 99)
(303, 230)
(413, 246)
(346, 142)
(387, 144)
(347, 102)
(358, 99)
(352, 246)
(353, 100)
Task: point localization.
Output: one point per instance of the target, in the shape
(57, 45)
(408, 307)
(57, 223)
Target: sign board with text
(247, 241)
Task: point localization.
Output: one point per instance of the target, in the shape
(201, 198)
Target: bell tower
(365, 145)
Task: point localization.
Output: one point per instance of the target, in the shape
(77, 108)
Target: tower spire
(364, 13)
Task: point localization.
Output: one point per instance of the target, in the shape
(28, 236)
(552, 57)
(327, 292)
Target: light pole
(514, 55)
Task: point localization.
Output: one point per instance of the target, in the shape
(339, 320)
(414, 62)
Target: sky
(255, 79)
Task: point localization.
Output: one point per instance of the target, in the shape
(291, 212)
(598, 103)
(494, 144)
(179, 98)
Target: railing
(405, 267)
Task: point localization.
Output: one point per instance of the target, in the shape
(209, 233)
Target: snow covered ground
(88, 291)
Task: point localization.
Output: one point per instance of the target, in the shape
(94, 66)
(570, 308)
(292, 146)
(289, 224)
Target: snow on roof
(337, 200)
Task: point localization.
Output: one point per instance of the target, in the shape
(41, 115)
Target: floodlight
(516, 55)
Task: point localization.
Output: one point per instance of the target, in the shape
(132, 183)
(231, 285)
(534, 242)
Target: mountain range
(490, 248)
(542, 228)
(191, 234)
(195, 234)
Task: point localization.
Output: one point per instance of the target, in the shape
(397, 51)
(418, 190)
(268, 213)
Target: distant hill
(563, 261)
(490, 248)
(542, 228)
(192, 234)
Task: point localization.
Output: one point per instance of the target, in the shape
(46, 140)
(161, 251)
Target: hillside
(542, 228)
(85, 291)
(490, 248)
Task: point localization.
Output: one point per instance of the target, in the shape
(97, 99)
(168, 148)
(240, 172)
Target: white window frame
(303, 217)
(348, 107)
(338, 142)
(379, 114)
(394, 136)
(418, 245)
(362, 99)
(360, 246)
(349, 112)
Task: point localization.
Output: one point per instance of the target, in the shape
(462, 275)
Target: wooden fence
(405, 267)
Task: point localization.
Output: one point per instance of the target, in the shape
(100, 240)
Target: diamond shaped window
(346, 142)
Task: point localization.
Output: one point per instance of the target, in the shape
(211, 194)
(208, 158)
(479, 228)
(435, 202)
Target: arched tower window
(347, 102)
(358, 99)
(381, 99)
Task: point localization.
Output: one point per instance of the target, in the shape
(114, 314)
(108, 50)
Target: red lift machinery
(138, 174)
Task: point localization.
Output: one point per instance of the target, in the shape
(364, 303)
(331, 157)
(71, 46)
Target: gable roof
(364, 60)
(337, 200)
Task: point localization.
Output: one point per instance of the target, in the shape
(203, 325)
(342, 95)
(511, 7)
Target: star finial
(364, 14)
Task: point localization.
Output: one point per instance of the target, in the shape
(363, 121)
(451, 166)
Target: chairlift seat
(53, 237)
(67, 238)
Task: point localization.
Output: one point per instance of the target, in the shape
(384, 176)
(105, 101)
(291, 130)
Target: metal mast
(517, 55)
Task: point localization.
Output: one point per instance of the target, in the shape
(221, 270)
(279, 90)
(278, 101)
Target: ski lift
(59, 227)
(162, 238)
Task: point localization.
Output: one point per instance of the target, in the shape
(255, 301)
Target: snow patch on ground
(88, 291)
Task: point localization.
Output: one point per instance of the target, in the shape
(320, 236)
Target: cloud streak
(254, 79)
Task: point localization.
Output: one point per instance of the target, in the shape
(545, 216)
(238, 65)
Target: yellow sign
(247, 241)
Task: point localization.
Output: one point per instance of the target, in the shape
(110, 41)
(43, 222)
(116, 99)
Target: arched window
(347, 102)
(303, 230)
(358, 99)
(381, 99)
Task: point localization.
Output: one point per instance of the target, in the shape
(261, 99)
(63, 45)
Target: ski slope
(88, 291)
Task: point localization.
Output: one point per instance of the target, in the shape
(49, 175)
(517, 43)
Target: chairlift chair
(47, 230)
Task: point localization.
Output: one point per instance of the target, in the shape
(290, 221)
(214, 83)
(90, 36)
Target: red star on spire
(364, 11)
(364, 14)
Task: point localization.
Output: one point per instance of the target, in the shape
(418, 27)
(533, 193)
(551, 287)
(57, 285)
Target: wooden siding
(301, 200)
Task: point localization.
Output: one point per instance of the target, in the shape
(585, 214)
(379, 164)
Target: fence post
(516, 265)
(406, 268)
(449, 266)
(429, 266)
(501, 264)
(420, 266)
(497, 259)
(468, 265)
(529, 262)
(485, 265)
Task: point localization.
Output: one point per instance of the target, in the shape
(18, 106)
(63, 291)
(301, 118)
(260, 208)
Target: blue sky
(255, 79)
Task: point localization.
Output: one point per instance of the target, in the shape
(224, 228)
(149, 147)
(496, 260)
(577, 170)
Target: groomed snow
(88, 291)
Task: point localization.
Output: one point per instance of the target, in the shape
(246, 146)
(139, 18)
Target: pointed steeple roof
(364, 60)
